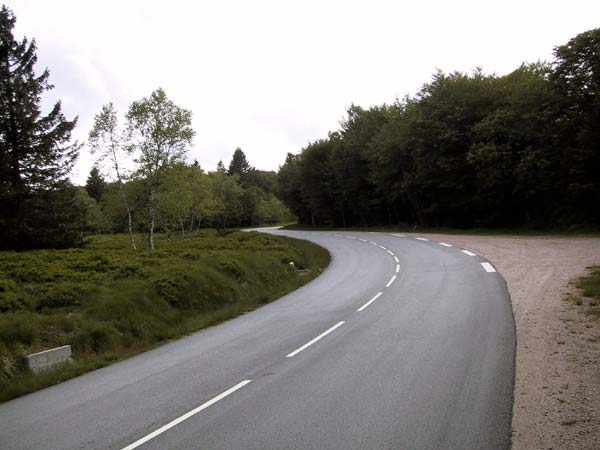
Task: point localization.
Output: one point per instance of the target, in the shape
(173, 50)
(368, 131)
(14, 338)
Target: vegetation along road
(402, 342)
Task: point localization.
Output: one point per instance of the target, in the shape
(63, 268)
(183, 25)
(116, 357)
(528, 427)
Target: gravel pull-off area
(557, 385)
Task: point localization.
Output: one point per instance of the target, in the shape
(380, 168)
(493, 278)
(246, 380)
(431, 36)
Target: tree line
(468, 150)
(150, 187)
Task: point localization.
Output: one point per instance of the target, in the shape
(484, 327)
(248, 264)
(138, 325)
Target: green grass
(110, 302)
(587, 293)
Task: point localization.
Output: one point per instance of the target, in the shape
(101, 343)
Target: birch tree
(159, 133)
(106, 140)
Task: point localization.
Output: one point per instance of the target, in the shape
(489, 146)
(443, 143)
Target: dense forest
(469, 150)
(141, 181)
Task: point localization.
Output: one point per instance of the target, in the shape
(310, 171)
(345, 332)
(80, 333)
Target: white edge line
(309, 343)
(391, 281)
(396, 259)
(369, 302)
(444, 244)
(422, 239)
(187, 415)
(397, 268)
(488, 267)
(467, 252)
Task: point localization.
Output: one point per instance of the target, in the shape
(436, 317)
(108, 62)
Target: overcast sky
(271, 76)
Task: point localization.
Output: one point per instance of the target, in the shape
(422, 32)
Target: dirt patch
(557, 385)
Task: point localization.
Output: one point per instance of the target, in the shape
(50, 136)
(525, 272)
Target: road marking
(350, 237)
(369, 302)
(390, 252)
(422, 239)
(397, 268)
(444, 244)
(187, 415)
(399, 235)
(467, 252)
(382, 247)
(363, 240)
(319, 337)
(391, 281)
(396, 259)
(374, 243)
(337, 235)
(488, 267)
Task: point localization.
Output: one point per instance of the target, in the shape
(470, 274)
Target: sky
(272, 76)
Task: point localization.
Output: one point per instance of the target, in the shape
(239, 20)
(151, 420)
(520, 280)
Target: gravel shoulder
(557, 383)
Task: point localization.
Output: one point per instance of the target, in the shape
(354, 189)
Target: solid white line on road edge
(321, 336)
(391, 281)
(390, 252)
(467, 252)
(399, 235)
(488, 267)
(396, 259)
(444, 244)
(397, 268)
(187, 415)
(422, 239)
(369, 302)
(362, 240)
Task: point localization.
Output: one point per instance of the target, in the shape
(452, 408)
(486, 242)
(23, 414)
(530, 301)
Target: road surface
(402, 343)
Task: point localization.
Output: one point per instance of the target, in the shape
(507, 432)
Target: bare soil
(557, 384)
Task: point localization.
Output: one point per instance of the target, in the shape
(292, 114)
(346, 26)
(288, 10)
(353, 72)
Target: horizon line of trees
(469, 150)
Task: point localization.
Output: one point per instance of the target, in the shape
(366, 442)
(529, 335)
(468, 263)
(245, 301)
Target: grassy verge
(581, 231)
(110, 302)
(587, 292)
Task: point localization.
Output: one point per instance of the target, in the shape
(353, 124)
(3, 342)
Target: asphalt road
(428, 364)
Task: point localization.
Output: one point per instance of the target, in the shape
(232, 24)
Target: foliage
(109, 301)
(469, 150)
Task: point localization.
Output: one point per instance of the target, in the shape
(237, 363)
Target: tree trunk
(128, 214)
(151, 218)
(182, 231)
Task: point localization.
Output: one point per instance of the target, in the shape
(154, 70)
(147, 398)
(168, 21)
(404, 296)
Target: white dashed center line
(467, 252)
(397, 268)
(488, 267)
(187, 415)
(390, 252)
(444, 244)
(399, 235)
(319, 337)
(396, 259)
(366, 305)
(391, 281)
(422, 239)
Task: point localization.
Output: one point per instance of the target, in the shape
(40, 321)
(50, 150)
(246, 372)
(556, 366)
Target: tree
(35, 154)
(576, 77)
(106, 139)
(159, 133)
(221, 166)
(95, 184)
(226, 199)
(240, 166)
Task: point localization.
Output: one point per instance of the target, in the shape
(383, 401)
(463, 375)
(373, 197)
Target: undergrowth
(587, 291)
(109, 302)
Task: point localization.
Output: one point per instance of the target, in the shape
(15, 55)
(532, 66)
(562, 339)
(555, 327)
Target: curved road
(402, 343)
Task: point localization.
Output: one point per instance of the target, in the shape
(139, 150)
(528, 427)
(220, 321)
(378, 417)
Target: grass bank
(587, 292)
(110, 302)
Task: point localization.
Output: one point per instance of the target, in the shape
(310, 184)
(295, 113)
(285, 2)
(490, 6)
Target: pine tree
(239, 164)
(95, 184)
(35, 155)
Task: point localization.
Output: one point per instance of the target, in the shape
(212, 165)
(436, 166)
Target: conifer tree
(35, 154)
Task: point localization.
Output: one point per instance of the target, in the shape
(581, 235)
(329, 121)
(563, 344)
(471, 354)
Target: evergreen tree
(239, 165)
(34, 152)
(95, 184)
(221, 166)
